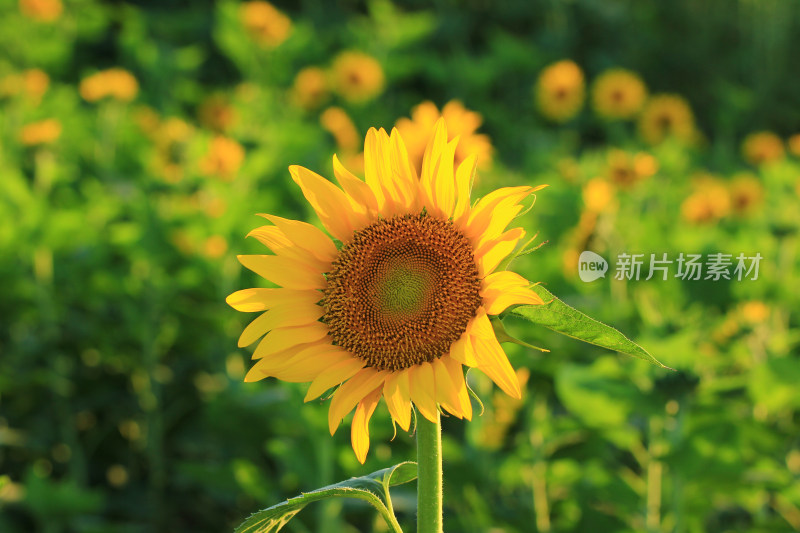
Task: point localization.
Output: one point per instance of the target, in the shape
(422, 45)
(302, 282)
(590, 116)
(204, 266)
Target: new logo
(591, 266)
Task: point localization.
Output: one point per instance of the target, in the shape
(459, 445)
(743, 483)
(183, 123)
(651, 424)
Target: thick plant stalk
(429, 480)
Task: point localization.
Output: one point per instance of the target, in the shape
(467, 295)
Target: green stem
(429, 475)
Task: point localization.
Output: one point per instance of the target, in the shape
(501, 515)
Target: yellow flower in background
(461, 122)
(762, 147)
(598, 196)
(354, 161)
(709, 202)
(310, 88)
(794, 144)
(645, 164)
(625, 169)
(336, 121)
(216, 113)
(746, 193)
(35, 83)
(223, 159)
(265, 24)
(41, 10)
(215, 247)
(147, 119)
(169, 137)
(115, 83)
(357, 77)
(754, 312)
(569, 169)
(404, 304)
(560, 91)
(32, 83)
(504, 413)
(173, 130)
(618, 94)
(665, 116)
(42, 132)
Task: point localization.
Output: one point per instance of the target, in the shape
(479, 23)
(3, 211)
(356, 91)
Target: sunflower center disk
(402, 291)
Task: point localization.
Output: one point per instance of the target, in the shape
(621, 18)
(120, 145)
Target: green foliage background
(122, 406)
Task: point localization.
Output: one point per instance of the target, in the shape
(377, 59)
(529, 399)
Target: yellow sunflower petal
(444, 185)
(446, 394)
(406, 174)
(459, 383)
(501, 216)
(387, 166)
(359, 429)
(493, 252)
(351, 392)
(356, 188)
(486, 211)
(502, 289)
(280, 339)
(340, 215)
(335, 375)
(271, 237)
(422, 387)
(464, 176)
(376, 167)
(257, 299)
(430, 162)
(461, 350)
(311, 357)
(391, 180)
(306, 236)
(265, 366)
(489, 223)
(277, 317)
(492, 360)
(311, 363)
(274, 239)
(496, 304)
(398, 398)
(284, 271)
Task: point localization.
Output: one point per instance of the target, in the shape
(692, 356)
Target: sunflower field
(139, 141)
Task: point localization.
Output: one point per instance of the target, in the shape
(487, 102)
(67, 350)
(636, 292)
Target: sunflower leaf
(372, 488)
(503, 336)
(561, 318)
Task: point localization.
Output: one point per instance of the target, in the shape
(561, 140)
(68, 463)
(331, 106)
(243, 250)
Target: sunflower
(794, 144)
(762, 147)
(310, 88)
(116, 83)
(42, 132)
(618, 94)
(265, 24)
(626, 170)
(357, 77)
(460, 122)
(599, 196)
(560, 91)
(41, 10)
(667, 115)
(709, 202)
(217, 113)
(403, 302)
(746, 193)
(754, 312)
(336, 121)
(223, 159)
